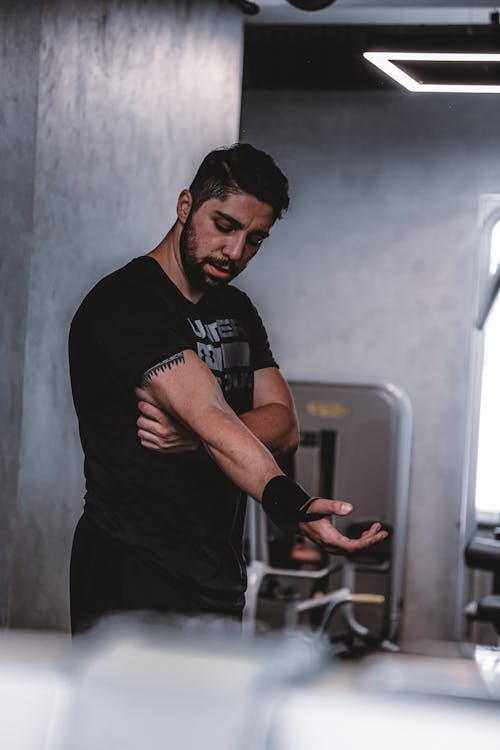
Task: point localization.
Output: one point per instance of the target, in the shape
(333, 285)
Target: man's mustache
(221, 265)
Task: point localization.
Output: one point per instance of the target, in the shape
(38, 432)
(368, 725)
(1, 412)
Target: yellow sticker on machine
(328, 409)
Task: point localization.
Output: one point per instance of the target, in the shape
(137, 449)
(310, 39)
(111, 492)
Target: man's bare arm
(273, 419)
(184, 387)
(187, 390)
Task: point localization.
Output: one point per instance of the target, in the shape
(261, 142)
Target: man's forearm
(189, 392)
(275, 426)
(239, 453)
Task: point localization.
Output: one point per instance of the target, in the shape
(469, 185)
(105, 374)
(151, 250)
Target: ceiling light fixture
(385, 62)
(310, 4)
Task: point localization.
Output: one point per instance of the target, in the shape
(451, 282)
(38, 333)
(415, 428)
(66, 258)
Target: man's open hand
(327, 536)
(160, 432)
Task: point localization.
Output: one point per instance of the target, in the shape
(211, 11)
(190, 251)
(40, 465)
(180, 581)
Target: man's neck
(167, 254)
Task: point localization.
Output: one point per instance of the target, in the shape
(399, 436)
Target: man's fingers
(324, 533)
(165, 428)
(152, 443)
(367, 541)
(160, 431)
(370, 536)
(372, 530)
(354, 545)
(330, 507)
(150, 411)
(161, 423)
(151, 446)
(150, 437)
(143, 423)
(374, 533)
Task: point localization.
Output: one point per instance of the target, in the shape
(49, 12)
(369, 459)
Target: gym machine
(355, 443)
(483, 553)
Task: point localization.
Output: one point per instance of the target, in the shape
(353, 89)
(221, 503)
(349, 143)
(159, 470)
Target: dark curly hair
(241, 168)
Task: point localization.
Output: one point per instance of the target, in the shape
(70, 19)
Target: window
(488, 457)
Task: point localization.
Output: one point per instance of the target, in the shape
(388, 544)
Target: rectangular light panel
(385, 61)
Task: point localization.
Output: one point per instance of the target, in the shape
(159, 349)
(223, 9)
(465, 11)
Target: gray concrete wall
(132, 95)
(19, 55)
(372, 277)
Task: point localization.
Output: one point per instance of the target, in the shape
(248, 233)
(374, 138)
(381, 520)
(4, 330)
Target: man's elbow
(292, 439)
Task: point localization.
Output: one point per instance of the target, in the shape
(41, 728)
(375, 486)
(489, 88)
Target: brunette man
(163, 518)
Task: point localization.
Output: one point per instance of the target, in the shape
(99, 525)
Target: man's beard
(194, 268)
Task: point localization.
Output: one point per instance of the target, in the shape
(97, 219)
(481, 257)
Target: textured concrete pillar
(132, 95)
(19, 56)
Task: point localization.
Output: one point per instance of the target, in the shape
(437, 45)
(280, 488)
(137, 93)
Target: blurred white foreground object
(133, 686)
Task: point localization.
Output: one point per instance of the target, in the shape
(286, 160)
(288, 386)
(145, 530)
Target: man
(163, 518)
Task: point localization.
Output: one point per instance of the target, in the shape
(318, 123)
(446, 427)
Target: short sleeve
(136, 331)
(261, 354)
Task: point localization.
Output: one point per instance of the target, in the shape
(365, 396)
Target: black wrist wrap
(286, 503)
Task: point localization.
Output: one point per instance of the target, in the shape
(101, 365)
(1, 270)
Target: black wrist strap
(286, 503)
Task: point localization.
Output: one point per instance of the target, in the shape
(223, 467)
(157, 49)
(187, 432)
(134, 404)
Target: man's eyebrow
(260, 232)
(238, 225)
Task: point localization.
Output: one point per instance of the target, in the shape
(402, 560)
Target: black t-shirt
(179, 511)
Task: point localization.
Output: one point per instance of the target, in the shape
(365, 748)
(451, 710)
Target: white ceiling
(378, 12)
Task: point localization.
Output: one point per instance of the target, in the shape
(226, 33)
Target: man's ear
(184, 205)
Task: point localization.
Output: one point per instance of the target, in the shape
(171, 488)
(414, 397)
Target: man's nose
(234, 247)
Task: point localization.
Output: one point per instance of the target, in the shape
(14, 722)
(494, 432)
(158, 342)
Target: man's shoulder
(138, 273)
(132, 284)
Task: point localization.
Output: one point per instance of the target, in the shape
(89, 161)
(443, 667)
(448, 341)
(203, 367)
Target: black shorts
(107, 577)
